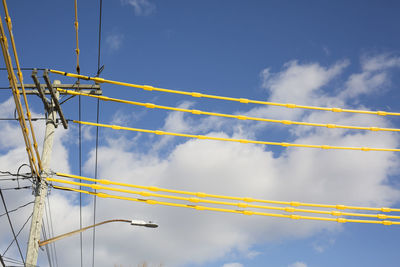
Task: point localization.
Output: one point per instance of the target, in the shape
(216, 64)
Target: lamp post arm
(51, 240)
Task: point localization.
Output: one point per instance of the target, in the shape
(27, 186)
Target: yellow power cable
(245, 141)
(16, 95)
(240, 204)
(239, 117)
(76, 24)
(241, 100)
(244, 212)
(245, 199)
(21, 80)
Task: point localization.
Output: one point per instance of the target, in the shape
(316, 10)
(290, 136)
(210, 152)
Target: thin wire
(46, 247)
(20, 230)
(52, 229)
(48, 231)
(11, 260)
(97, 134)
(22, 206)
(95, 177)
(13, 119)
(233, 99)
(12, 228)
(244, 141)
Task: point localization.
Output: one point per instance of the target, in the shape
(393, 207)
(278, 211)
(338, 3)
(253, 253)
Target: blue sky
(323, 53)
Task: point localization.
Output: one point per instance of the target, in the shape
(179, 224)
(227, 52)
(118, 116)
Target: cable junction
(226, 210)
(239, 117)
(244, 141)
(233, 99)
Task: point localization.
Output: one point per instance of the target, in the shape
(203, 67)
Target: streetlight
(132, 222)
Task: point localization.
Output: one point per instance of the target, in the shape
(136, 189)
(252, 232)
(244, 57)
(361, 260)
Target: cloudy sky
(318, 53)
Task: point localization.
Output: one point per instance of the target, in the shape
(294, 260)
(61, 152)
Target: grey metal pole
(41, 188)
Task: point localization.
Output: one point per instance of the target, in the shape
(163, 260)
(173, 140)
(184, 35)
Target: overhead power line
(11, 226)
(243, 212)
(224, 203)
(245, 199)
(17, 100)
(244, 141)
(239, 117)
(240, 100)
(21, 80)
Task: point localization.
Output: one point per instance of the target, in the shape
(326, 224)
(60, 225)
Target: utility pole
(53, 108)
(41, 186)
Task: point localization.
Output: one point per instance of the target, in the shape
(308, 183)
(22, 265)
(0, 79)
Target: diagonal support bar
(55, 100)
(40, 90)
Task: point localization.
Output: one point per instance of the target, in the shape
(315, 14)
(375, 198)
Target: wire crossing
(244, 141)
(239, 117)
(245, 199)
(240, 100)
(244, 212)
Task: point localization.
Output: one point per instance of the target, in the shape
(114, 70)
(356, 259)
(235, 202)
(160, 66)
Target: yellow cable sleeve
(21, 80)
(16, 96)
(245, 199)
(239, 117)
(240, 100)
(244, 212)
(245, 141)
(240, 205)
(76, 24)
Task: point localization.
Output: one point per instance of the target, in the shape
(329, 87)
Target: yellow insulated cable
(240, 205)
(244, 212)
(245, 199)
(21, 80)
(16, 96)
(239, 117)
(245, 141)
(76, 24)
(241, 100)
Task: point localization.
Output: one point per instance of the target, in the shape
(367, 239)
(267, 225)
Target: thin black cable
(52, 231)
(49, 233)
(22, 206)
(97, 133)
(12, 228)
(17, 188)
(46, 247)
(12, 119)
(20, 230)
(11, 260)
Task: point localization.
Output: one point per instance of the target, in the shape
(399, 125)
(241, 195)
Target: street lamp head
(144, 223)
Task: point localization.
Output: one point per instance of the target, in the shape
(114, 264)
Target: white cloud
(297, 264)
(233, 264)
(114, 41)
(141, 7)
